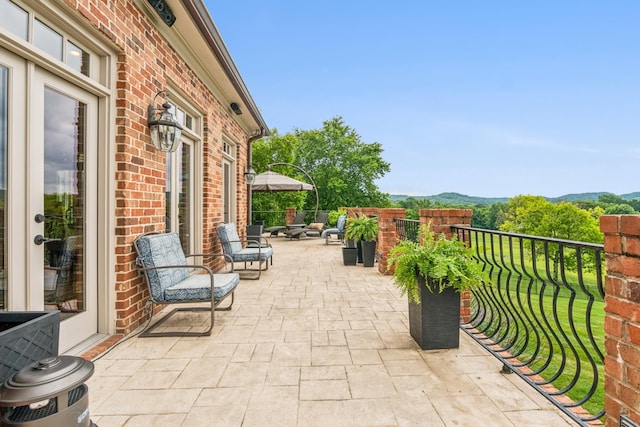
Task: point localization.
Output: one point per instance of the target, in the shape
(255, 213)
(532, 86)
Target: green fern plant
(448, 263)
(362, 227)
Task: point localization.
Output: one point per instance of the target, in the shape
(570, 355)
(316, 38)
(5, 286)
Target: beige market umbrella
(273, 181)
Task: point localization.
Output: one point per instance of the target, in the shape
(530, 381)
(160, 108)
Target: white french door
(51, 258)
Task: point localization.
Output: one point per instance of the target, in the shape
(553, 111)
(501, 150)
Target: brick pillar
(386, 230)
(622, 317)
(387, 237)
(290, 215)
(441, 222)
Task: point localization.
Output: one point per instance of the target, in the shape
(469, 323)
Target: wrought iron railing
(268, 218)
(407, 229)
(544, 315)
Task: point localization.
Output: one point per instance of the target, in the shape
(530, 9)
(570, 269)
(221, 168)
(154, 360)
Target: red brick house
(79, 175)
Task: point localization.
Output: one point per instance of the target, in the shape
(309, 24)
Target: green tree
(413, 205)
(536, 216)
(277, 149)
(343, 167)
(619, 209)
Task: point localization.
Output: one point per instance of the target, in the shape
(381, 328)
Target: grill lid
(44, 379)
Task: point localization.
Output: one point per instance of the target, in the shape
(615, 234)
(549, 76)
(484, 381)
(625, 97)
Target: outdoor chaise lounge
(298, 220)
(312, 229)
(171, 280)
(338, 231)
(232, 246)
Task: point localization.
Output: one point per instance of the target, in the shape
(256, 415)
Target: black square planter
(27, 337)
(435, 322)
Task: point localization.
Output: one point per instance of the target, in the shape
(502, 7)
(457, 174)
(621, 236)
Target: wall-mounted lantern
(249, 175)
(165, 129)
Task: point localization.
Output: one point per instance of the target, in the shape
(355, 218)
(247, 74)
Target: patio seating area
(311, 343)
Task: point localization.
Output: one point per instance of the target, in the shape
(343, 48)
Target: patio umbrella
(273, 181)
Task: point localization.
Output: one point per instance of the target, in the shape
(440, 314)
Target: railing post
(441, 221)
(622, 317)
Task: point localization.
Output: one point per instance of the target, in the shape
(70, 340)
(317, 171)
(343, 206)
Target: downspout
(261, 133)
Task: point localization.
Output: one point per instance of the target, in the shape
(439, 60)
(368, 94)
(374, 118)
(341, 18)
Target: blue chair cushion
(229, 238)
(251, 254)
(197, 287)
(159, 250)
(342, 219)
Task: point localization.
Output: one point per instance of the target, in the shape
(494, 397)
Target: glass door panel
(4, 119)
(63, 202)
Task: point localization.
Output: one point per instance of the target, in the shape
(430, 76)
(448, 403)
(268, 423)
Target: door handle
(40, 239)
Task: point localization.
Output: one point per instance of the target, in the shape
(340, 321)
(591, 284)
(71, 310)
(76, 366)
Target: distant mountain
(631, 196)
(577, 197)
(462, 199)
(452, 199)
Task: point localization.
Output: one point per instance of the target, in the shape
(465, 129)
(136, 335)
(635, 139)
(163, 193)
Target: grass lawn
(550, 319)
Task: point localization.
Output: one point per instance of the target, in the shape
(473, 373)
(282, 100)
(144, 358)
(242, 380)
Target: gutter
(203, 21)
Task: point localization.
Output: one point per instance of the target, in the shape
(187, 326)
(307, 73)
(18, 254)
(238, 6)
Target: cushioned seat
(338, 231)
(172, 280)
(232, 246)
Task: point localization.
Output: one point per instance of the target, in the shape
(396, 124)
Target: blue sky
(492, 98)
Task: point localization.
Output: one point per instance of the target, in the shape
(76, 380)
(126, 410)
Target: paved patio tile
(151, 402)
(330, 355)
(324, 390)
(312, 343)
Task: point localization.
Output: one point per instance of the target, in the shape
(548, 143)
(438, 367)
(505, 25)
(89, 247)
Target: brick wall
(622, 317)
(147, 64)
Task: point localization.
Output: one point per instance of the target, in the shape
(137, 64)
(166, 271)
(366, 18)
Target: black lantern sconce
(250, 176)
(165, 129)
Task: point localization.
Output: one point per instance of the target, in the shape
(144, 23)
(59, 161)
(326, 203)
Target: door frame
(85, 323)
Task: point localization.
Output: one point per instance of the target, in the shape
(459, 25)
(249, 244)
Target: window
(228, 181)
(181, 214)
(16, 21)
(179, 193)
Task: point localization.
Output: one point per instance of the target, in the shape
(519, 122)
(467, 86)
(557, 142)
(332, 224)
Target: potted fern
(364, 230)
(432, 273)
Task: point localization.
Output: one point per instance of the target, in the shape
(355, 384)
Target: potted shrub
(432, 273)
(364, 229)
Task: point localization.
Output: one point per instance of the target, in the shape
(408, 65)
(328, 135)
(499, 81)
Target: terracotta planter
(435, 322)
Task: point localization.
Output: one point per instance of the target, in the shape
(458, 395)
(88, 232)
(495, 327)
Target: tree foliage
(277, 149)
(536, 216)
(343, 167)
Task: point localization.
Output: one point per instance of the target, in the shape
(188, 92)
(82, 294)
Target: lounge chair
(312, 229)
(338, 231)
(172, 280)
(232, 246)
(298, 220)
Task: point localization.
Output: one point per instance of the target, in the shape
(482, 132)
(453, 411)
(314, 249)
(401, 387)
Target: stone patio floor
(312, 343)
